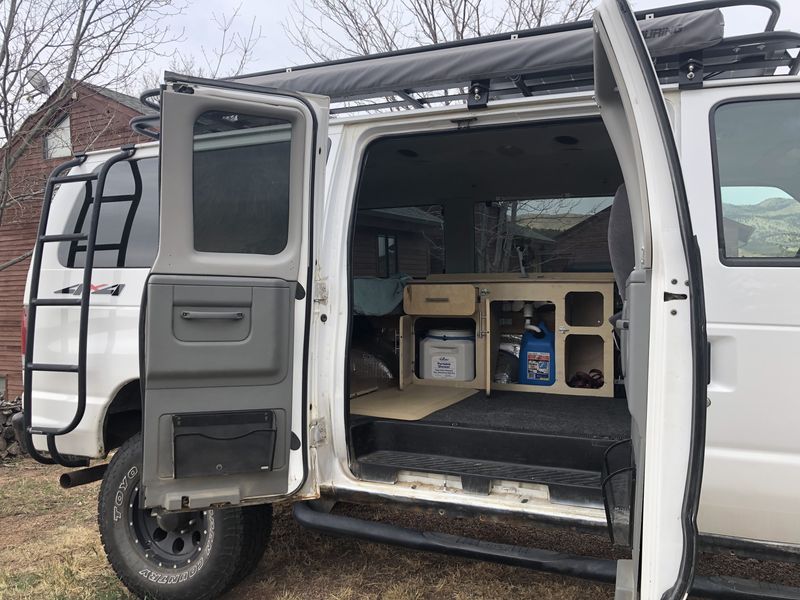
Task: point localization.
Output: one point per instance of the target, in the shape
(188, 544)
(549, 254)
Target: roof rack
(686, 42)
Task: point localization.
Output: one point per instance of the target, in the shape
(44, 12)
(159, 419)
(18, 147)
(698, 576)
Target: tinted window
(241, 183)
(127, 233)
(758, 170)
(542, 235)
(405, 240)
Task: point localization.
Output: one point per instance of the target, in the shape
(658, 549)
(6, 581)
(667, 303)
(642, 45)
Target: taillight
(24, 331)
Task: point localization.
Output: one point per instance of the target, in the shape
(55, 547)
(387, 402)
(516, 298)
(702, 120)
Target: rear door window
(241, 183)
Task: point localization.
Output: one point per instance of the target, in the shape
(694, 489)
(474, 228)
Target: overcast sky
(275, 50)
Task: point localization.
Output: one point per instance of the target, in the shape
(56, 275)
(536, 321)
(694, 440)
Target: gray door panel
(216, 366)
(198, 352)
(224, 321)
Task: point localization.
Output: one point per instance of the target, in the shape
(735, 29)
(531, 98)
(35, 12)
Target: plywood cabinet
(579, 304)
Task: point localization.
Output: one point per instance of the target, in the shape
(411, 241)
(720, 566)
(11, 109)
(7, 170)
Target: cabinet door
(406, 352)
(490, 341)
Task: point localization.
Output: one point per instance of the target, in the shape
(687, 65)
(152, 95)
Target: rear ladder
(96, 199)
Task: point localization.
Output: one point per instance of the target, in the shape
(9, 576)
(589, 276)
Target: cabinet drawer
(439, 299)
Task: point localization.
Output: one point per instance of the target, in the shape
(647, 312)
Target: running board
(595, 569)
(571, 486)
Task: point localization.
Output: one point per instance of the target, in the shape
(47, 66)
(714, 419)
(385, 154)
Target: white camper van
(548, 275)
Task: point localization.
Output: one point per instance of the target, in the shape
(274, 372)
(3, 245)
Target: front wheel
(171, 556)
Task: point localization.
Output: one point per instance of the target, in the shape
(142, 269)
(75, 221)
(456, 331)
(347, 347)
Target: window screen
(241, 183)
(127, 232)
(758, 177)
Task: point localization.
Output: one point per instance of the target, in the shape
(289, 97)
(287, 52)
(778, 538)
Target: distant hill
(776, 224)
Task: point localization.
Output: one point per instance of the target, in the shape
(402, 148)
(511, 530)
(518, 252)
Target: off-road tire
(225, 544)
(257, 529)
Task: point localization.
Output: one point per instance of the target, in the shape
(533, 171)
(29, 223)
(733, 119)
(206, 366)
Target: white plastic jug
(448, 354)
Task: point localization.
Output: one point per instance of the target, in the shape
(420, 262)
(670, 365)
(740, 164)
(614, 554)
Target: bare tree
(51, 46)
(328, 29)
(527, 14)
(230, 54)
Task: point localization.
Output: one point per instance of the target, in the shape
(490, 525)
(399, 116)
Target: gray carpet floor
(539, 413)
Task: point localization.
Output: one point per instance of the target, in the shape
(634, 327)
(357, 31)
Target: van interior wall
(501, 204)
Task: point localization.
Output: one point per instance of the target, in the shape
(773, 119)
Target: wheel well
(124, 416)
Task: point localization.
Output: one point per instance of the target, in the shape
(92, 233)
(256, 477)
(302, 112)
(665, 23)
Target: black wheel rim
(171, 540)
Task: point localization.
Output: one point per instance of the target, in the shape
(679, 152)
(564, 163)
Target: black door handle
(223, 315)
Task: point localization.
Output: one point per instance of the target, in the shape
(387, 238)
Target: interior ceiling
(573, 158)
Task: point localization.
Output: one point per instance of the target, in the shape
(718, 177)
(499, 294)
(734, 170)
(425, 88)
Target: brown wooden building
(92, 118)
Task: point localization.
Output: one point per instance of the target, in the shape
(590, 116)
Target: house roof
(409, 213)
(124, 99)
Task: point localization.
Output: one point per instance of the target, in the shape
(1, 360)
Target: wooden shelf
(583, 337)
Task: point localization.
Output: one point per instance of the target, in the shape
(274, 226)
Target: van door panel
(666, 392)
(226, 313)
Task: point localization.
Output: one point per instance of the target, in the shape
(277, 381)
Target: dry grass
(51, 551)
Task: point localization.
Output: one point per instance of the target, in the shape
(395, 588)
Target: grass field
(50, 550)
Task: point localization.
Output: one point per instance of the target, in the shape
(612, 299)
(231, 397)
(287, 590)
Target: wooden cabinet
(581, 304)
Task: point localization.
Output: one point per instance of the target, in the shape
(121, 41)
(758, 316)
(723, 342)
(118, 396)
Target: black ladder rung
(74, 178)
(56, 301)
(42, 430)
(64, 237)
(99, 247)
(53, 367)
(117, 198)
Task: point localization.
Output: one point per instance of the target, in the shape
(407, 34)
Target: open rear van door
(226, 307)
(662, 325)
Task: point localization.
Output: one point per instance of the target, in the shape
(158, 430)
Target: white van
(603, 215)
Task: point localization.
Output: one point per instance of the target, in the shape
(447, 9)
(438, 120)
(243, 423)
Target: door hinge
(318, 432)
(321, 292)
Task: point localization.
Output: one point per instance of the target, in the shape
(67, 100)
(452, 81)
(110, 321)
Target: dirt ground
(50, 549)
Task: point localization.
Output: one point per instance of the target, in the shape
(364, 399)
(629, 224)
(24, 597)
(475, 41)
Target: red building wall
(96, 122)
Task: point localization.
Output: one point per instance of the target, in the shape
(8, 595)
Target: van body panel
(754, 332)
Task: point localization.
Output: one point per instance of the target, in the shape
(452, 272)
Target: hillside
(776, 224)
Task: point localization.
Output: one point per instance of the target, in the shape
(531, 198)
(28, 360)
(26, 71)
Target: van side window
(127, 232)
(542, 235)
(405, 240)
(757, 170)
(241, 183)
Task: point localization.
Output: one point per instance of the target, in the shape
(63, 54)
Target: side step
(565, 485)
(596, 569)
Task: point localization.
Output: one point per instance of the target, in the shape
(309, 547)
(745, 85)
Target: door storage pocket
(223, 443)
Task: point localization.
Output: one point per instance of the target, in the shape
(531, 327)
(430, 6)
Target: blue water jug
(537, 357)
